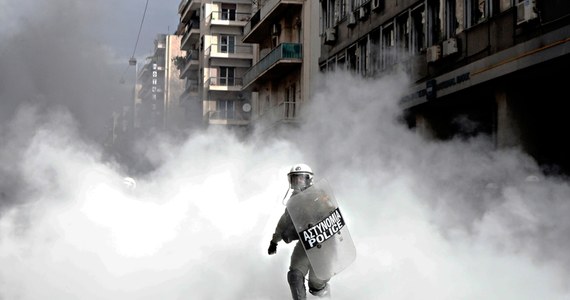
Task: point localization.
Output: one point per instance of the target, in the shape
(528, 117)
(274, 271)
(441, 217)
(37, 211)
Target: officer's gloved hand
(272, 248)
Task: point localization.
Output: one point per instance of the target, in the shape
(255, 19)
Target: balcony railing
(191, 87)
(229, 50)
(189, 8)
(228, 16)
(182, 5)
(285, 51)
(229, 115)
(224, 81)
(192, 55)
(265, 15)
(284, 112)
(253, 21)
(193, 28)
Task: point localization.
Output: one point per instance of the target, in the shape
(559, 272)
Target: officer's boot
(325, 291)
(297, 284)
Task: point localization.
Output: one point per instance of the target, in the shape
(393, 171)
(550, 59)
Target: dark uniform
(300, 265)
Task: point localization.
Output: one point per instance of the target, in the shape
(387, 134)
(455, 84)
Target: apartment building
(158, 104)
(215, 62)
(494, 67)
(286, 32)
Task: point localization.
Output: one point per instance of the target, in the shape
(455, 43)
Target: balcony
(223, 84)
(191, 92)
(227, 18)
(229, 51)
(146, 72)
(182, 6)
(259, 26)
(285, 112)
(192, 63)
(188, 8)
(191, 35)
(227, 117)
(147, 91)
(280, 61)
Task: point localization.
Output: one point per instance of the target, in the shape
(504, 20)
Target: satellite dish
(246, 107)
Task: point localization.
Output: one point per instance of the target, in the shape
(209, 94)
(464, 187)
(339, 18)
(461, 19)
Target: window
(403, 32)
(418, 24)
(363, 57)
(504, 5)
(322, 16)
(388, 51)
(476, 11)
(227, 76)
(331, 65)
(332, 11)
(435, 25)
(352, 59)
(290, 101)
(342, 9)
(228, 12)
(226, 109)
(341, 62)
(494, 7)
(451, 23)
(227, 44)
(375, 51)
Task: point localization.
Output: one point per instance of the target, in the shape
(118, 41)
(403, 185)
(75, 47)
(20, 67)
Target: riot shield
(322, 229)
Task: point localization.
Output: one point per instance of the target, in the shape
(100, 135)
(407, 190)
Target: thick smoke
(51, 56)
(430, 219)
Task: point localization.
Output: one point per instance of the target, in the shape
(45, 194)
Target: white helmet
(130, 183)
(300, 177)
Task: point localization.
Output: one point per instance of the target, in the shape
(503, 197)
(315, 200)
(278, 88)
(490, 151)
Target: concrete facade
(286, 33)
(158, 103)
(215, 63)
(499, 64)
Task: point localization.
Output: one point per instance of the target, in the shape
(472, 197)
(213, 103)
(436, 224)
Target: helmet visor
(299, 181)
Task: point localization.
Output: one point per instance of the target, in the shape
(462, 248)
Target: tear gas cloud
(430, 220)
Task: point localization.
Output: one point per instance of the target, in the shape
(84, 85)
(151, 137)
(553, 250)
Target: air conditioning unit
(330, 36)
(362, 13)
(526, 11)
(351, 19)
(376, 4)
(433, 53)
(275, 29)
(449, 46)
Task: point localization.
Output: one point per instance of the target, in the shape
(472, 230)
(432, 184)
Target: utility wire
(137, 42)
(140, 29)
